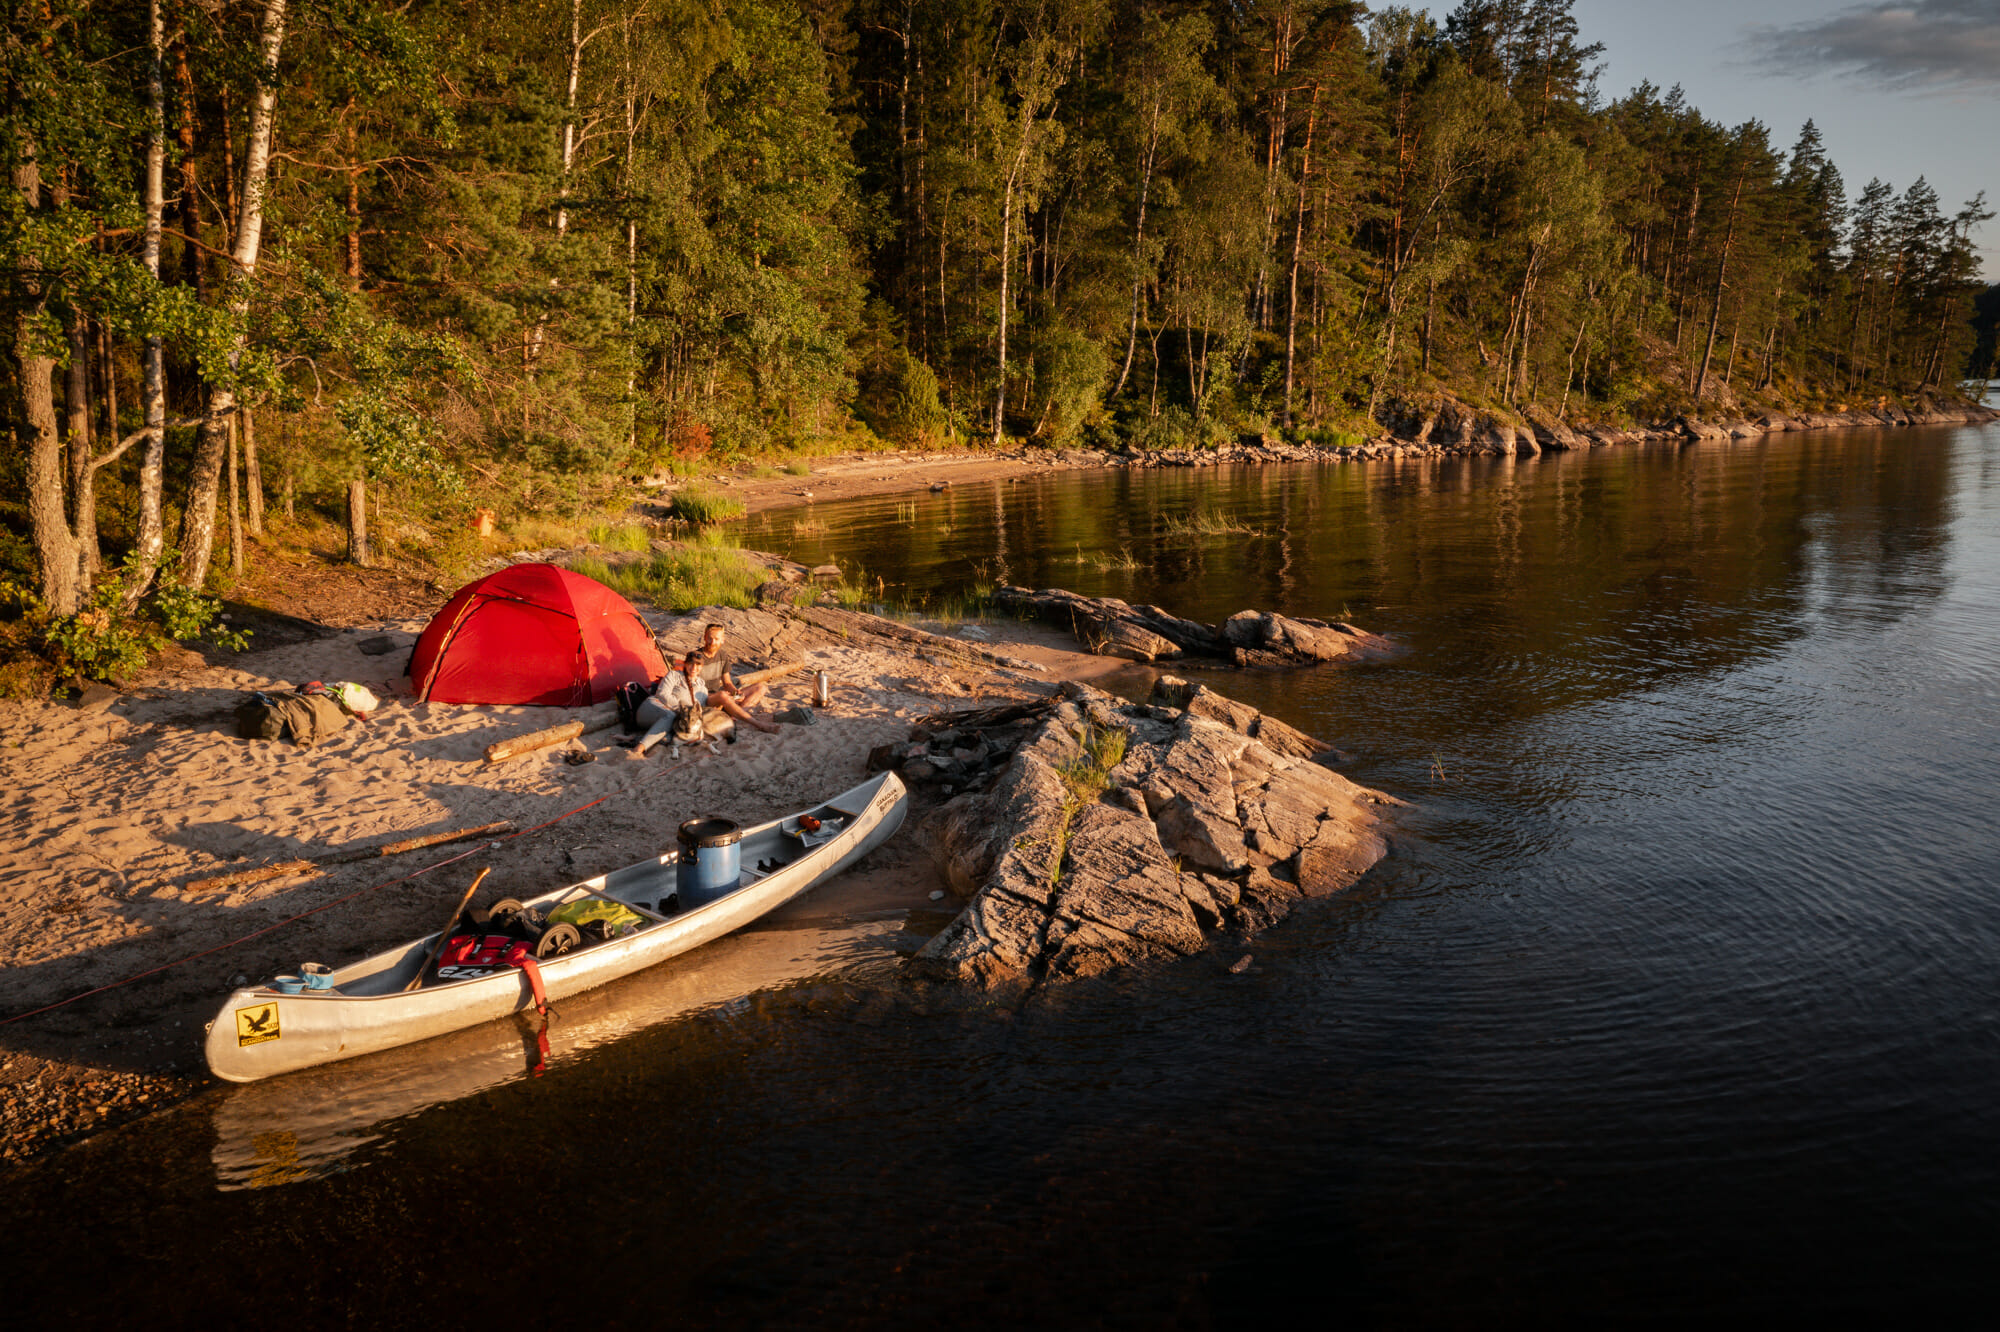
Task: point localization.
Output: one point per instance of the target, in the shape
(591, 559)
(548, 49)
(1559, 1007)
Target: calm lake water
(1676, 997)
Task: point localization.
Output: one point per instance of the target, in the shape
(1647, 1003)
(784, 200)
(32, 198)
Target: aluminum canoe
(261, 1032)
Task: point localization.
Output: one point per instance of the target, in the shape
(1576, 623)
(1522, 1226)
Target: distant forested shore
(299, 253)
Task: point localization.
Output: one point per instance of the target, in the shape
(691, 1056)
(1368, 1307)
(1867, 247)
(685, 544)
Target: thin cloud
(1920, 46)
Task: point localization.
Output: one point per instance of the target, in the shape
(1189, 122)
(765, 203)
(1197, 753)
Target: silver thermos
(822, 690)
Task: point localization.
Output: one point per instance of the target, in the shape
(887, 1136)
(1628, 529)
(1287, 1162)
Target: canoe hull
(260, 1033)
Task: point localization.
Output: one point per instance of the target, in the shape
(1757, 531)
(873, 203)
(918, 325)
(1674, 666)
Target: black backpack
(258, 718)
(629, 697)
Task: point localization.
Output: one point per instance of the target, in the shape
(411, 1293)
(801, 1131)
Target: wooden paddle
(445, 936)
(288, 868)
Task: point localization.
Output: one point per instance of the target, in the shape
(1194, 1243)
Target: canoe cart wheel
(506, 906)
(558, 939)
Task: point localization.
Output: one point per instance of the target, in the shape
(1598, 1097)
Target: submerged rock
(1213, 822)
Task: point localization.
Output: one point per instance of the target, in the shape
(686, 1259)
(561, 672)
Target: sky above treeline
(1900, 90)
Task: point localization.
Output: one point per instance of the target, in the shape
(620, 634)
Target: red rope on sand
(292, 920)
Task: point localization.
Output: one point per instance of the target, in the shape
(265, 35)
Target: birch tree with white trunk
(212, 442)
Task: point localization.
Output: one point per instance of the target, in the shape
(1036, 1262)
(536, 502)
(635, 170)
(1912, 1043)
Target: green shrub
(899, 401)
(1070, 374)
(1328, 438)
(101, 642)
(799, 467)
(1084, 779)
(1173, 428)
(185, 613)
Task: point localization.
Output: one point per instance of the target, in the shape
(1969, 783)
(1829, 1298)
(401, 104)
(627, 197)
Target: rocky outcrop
(1113, 628)
(1445, 427)
(1209, 823)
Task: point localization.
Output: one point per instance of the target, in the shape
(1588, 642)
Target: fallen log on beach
(769, 674)
(501, 751)
(287, 868)
(1113, 628)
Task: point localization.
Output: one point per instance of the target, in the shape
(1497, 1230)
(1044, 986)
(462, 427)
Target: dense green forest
(276, 251)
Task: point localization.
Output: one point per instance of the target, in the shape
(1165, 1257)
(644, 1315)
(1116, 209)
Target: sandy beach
(112, 813)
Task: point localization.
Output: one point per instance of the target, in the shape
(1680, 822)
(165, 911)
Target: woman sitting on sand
(679, 691)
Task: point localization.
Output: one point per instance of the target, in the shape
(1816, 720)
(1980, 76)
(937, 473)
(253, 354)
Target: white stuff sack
(356, 699)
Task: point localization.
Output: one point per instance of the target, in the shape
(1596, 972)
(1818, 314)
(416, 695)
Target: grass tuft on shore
(704, 508)
(708, 571)
(859, 591)
(1084, 779)
(532, 532)
(620, 536)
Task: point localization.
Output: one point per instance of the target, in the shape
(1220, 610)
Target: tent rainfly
(533, 633)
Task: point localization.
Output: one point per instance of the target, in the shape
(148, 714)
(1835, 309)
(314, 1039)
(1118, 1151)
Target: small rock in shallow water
(937, 894)
(1240, 965)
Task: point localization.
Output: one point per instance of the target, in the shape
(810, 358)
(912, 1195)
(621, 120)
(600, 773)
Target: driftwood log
(1113, 628)
(286, 868)
(848, 623)
(769, 674)
(502, 750)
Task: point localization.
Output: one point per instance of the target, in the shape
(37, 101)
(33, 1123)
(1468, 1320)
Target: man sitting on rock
(722, 691)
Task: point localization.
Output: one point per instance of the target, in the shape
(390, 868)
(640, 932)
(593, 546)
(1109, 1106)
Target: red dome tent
(533, 633)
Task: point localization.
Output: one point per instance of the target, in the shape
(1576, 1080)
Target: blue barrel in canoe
(711, 860)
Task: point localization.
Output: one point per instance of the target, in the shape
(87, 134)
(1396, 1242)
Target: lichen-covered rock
(1118, 877)
(1201, 701)
(968, 835)
(1201, 827)
(1203, 838)
(1121, 638)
